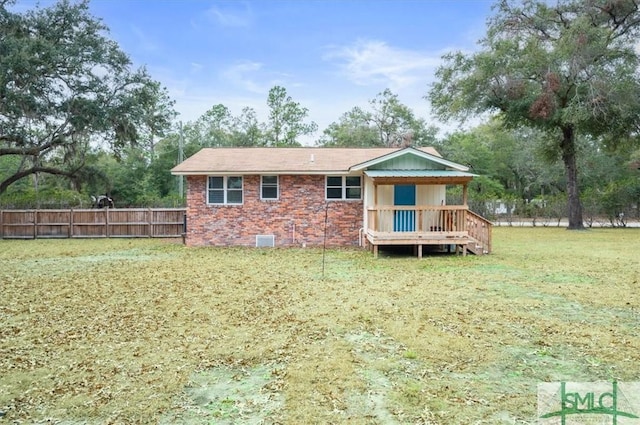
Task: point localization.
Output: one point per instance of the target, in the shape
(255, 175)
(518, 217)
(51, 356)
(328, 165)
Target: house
(309, 196)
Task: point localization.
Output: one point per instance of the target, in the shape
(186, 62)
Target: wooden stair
(480, 230)
(477, 248)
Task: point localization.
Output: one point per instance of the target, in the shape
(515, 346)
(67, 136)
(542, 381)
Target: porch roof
(425, 176)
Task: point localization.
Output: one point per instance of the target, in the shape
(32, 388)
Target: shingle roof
(281, 160)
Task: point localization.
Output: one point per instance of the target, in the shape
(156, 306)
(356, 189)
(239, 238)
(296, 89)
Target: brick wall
(296, 219)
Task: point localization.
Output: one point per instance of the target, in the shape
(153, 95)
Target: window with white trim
(223, 190)
(344, 187)
(269, 188)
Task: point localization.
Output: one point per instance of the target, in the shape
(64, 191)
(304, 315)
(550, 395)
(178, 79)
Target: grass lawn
(149, 331)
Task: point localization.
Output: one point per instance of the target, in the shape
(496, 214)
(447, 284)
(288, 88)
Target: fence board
(92, 223)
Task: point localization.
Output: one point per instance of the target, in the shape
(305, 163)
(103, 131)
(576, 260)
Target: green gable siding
(407, 162)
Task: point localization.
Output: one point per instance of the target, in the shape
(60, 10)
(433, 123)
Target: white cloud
(242, 74)
(254, 78)
(143, 40)
(227, 17)
(372, 62)
(196, 67)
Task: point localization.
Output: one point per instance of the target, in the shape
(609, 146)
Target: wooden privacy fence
(93, 223)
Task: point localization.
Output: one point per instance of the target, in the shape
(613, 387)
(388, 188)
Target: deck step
(476, 248)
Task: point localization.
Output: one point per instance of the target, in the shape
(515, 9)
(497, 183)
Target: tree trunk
(571, 170)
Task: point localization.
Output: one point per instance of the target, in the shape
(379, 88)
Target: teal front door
(403, 195)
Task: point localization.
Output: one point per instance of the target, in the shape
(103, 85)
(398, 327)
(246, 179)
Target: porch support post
(464, 194)
(375, 193)
(374, 225)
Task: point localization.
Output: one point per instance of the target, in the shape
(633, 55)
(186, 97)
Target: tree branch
(37, 169)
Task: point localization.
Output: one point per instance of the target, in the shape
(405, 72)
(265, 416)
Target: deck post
(374, 216)
(464, 194)
(419, 251)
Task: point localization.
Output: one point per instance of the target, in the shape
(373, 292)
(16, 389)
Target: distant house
(288, 197)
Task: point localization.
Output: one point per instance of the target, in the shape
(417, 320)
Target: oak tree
(569, 68)
(64, 87)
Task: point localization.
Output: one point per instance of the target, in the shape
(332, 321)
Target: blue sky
(330, 55)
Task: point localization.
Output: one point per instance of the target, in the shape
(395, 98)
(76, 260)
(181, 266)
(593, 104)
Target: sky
(330, 55)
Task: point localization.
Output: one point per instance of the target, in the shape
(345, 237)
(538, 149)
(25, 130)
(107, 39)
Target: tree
(64, 86)
(353, 129)
(389, 123)
(567, 69)
(214, 127)
(396, 123)
(156, 107)
(247, 131)
(286, 119)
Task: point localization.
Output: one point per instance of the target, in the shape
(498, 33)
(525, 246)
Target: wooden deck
(449, 225)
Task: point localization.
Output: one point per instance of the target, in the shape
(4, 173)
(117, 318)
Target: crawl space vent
(265, 241)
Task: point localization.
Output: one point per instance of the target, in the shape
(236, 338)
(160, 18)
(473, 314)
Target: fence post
(1, 224)
(150, 221)
(184, 227)
(70, 230)
(106, 221)
(35, 224)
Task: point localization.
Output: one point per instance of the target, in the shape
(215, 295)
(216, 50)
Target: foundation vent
(265, 241)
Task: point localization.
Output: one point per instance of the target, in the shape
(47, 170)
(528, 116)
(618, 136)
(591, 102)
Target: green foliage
(247, 130)
(353, 129)
(388, 123)
(46, 197)
(568, 70)
(563, 93)
(219, 128)
(64, 86)
(286, 121)
(214, 127)
(620, 201)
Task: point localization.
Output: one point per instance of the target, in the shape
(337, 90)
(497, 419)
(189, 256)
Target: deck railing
(429, 225)
(449, 219)
(480, 229)
(92, 223)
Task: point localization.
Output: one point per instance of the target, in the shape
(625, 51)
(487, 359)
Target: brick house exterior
(288, 197)
(295, 219)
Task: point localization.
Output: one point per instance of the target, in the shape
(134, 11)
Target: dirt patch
(391, 375)
(227, 395)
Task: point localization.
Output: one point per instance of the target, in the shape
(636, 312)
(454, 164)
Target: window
(269, 187)
(224, 190)
(344, 187)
